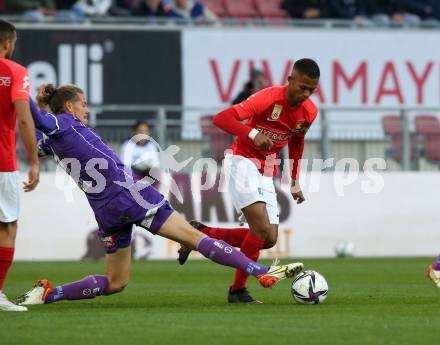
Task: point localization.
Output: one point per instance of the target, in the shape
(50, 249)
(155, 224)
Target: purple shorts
(148, 209)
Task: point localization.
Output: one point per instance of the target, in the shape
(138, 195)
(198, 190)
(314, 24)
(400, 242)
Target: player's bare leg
(262, 235)
(258, 220)
(118, 269)
(118, 273)
(8, 232)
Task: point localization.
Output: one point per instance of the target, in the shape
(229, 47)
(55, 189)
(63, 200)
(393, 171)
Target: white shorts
(247, 186)
(9, 196)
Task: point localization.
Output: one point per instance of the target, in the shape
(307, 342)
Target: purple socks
(436, 264)
(89, 287)
(216, 250)
(224, 254)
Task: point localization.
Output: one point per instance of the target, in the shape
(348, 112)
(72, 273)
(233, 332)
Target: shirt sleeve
(44, 121)
(43, 144)
(230, 122)
(125, 157)
(255, 104)
(296, 142)
(20, 89)
(296, 149)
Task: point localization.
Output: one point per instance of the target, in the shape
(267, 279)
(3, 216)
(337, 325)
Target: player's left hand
(297, 193)
(34, 178)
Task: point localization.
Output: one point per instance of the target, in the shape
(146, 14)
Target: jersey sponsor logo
(26, 83)
(5, 81)
(109, 242)
(276, 113)
(301, 127)
(87, 292)
(274, 136)
(218, 244)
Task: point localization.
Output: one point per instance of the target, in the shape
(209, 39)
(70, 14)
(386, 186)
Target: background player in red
(277, 116)
(14, 104)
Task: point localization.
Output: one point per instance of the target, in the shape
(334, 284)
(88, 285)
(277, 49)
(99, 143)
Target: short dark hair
(138, 124)
(7, 30)
(308, 67)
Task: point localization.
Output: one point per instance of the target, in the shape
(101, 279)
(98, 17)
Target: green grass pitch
(371, 301)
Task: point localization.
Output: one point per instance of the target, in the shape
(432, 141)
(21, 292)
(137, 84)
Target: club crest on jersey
(276, 112)
(109, 242)
(301, 127)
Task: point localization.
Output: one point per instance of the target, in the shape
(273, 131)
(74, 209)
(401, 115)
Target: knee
(8, 232)
(262, 231)
(117, 286)
(270, 241)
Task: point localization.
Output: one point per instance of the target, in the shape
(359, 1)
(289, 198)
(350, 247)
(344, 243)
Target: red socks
(250, 247)
(6, 256)
(233, 236)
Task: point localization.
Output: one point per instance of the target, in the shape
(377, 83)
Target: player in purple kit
(433, 271)
(118, 202)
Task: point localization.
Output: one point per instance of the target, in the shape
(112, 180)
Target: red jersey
(14, 85)
(269, 113)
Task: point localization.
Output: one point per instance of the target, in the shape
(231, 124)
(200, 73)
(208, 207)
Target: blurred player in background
(257, 81)
(141, 155)
(118, 202)
(434, 271)
(277, 116)
(14, 104)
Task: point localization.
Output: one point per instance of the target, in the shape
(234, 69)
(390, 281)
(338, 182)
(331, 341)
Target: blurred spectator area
(424, 139)
(360, 13)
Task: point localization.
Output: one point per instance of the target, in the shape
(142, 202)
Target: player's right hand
(263, 142)
(34, 178)
(40, 96)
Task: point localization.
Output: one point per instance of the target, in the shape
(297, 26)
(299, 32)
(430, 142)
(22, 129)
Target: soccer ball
(309, 287)
(344, 249)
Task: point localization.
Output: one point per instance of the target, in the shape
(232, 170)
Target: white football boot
(37, 295)
(277, 273)
(7, 305)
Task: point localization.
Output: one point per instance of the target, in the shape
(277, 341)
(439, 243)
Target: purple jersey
(97, 169)
(83, 154)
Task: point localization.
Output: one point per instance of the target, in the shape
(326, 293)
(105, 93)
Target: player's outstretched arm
(26, 128)
(45, 122)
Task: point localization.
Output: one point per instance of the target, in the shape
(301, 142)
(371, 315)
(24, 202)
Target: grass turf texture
(371, 301)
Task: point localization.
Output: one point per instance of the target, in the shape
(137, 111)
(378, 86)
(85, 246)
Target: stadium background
(375, 85)
(172, 73)
(379, 97)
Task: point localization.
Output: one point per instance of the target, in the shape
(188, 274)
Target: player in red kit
(14, 104)
(276, 116)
